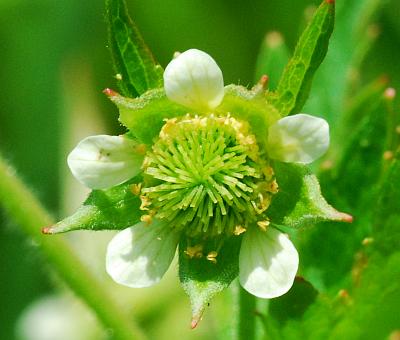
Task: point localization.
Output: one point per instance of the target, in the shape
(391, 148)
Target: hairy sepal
(202, 279)
(112, 209)
(144, 116)
(251, 106)
(299, 202)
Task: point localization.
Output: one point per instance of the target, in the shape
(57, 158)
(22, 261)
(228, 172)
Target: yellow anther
(239, 230)
(268, 172)
(145, 203)
(273, 187)
(135, 188)
(265, 202)
(263, 224)
(195, 251)
(146, 218)
(212, 256)
(167, 128)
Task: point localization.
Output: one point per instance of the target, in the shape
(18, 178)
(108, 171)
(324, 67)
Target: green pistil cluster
(204, 175)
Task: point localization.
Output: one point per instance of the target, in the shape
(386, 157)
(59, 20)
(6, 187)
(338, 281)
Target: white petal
(103, 161)
(194, 79)
(268, 263)
(140, 255)
(298, 139)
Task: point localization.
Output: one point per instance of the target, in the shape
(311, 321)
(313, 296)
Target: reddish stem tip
(263, 82)
(264, 79)
(194, 324)
(110, 93)
(330, 1)
(347, 218)
(47, 230)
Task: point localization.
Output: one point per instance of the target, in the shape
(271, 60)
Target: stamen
(263, 225)
(239, 230)
(212, 256)
(136, 188)
(195, 251)
(204, 176)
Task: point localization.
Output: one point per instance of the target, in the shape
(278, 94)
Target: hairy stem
(24, 209)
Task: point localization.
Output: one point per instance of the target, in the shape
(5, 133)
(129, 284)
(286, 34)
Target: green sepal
(202, 279)
(299, 202)
(295, 83)
(133, 62)
(112, 209)
(250, 106)
(272, 59)
(144, 116)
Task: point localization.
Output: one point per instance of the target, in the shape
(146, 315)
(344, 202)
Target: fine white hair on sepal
(193, 79)
(103, 161)
(268, 263)
(139, 256)
(299, 138)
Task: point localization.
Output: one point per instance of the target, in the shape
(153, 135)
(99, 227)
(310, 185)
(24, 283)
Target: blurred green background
(54, 65)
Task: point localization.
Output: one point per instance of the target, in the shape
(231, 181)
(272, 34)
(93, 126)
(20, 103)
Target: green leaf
(352, 184)
(144, 116)
(367, 310)
(386, 226)
(202, 280)
(112, 209)
(272, 58)
(250, 106)
(360, 165)
(133, 62)
(299, 202)
(295, 83)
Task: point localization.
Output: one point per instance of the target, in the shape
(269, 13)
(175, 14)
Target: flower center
(204, 175)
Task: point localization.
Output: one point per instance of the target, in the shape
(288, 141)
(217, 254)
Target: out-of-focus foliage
(46, 44)
(355, 268)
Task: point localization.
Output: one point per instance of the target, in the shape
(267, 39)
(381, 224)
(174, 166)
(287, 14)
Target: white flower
(100, 162)
(299, 138)
(268, 262)
(139, 256)
(194, 79)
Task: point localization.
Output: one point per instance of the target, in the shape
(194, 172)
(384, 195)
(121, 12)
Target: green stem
(247, 315)
(24, 209)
